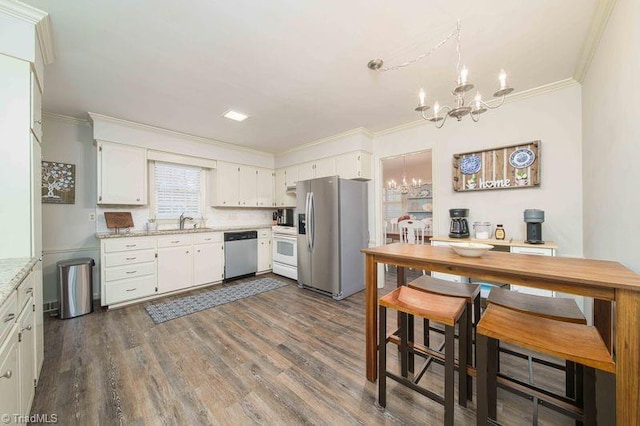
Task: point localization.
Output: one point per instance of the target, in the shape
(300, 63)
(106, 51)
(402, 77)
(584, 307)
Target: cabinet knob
(7, 375)
(137, 199)
(27, 328)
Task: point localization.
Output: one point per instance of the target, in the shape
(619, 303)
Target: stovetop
(283, 230)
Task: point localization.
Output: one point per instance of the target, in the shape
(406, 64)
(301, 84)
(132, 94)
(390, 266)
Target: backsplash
(215, 217)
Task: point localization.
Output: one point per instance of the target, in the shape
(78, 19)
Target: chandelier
(404, 186)
(461, 106)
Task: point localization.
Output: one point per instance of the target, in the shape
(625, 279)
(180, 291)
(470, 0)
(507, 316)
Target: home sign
(507, 167)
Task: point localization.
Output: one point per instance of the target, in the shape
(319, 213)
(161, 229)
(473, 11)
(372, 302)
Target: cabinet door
(226, 185)
(265, 185)
(9, 376)
(36, 199)
(354, 165)
(264, 254)
(291, 176)
(26, 358)
(280, 187)
(306, 171)
(325, 167)
(175, 268)
(36, 108)
(207, 263)
(122, 174)
(247, 186)
(38, 318)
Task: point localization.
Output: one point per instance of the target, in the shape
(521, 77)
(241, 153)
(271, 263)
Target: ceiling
(298, 68)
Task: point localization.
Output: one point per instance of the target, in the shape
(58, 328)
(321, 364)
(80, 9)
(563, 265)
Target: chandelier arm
(473, 117)
(486, 105)
(442, 122)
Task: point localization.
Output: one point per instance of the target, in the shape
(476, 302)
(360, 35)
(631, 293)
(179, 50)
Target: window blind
(177, 190)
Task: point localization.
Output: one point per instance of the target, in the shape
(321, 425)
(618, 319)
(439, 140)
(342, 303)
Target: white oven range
(285, 252)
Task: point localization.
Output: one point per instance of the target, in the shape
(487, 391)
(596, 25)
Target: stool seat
(443, 309)
(446, 288)
(556, 308)
(575, 342)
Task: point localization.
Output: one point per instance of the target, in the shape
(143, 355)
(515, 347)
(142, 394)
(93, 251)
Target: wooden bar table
(605, 281)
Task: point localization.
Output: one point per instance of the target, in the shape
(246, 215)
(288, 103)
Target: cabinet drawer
(128, 258)
(532, 250)
(126, 244)
(130, 271)
(209, 237)
(175, 240)
(25, 291)
(8, 315)
(122, 291)
(264, 233)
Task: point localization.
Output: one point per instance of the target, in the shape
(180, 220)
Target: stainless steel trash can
(75, 287)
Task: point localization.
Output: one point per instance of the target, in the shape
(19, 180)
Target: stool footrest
(409, 383)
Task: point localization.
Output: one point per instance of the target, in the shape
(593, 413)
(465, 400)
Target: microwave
(284, 217)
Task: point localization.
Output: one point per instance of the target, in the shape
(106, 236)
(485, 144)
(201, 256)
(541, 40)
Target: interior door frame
(378, 183)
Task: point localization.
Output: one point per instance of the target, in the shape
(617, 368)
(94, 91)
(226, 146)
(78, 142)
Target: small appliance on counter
(284, 217)
(459, 227)
(534, 218)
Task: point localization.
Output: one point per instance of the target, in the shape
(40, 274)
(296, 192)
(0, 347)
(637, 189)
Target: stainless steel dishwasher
(240, 254)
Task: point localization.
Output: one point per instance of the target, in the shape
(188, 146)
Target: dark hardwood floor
(286, 356)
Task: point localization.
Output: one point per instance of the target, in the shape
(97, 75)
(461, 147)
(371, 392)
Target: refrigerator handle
(307, 212)
(312, 227)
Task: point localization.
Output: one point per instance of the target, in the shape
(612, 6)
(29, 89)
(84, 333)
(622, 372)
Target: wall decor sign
(58, 183)
(507, 167)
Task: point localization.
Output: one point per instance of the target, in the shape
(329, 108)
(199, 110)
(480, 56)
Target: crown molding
(139, 126)
(66, 118)
(357, 130)
(551, 87)
(36, 17)
(592, 41)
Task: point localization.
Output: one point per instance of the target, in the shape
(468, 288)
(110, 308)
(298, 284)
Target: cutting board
(118, 220)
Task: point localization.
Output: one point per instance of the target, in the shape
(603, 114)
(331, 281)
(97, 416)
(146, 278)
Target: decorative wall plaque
(58, 183)
(508, 167)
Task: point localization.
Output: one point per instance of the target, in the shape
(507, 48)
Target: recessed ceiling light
(234, 115)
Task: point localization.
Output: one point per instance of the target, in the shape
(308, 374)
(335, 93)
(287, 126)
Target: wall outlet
(92, 217)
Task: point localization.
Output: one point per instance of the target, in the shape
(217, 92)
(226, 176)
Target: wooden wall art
(58, 183)
(508, 167)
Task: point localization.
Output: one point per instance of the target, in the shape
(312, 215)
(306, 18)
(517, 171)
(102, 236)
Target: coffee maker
(284, 217)
(534, 218)
(459, 227)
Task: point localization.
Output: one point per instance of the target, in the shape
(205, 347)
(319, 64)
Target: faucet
(182, 219)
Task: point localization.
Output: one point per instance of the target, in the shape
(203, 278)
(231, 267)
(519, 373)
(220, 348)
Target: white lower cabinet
(9, 374)
(26, 357)
(208, 263)
(175, 267)
(264, 250)
(536, 252)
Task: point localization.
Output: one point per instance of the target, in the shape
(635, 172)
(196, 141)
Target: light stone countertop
(12, 272)
(104, 235)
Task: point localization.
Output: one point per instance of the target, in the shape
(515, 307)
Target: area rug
(162, 312)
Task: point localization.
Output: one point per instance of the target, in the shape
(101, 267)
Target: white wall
(67, 232)
(554, 118)
(611, 146)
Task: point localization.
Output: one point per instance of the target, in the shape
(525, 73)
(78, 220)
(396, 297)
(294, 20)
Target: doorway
(407, 192)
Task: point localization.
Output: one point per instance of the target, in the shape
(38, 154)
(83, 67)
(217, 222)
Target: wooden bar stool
(446, 310)
(556, 308)
(470, 293)
(579, 343)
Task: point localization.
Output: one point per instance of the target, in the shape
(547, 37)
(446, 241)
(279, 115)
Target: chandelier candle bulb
(464, 72)
(503, 79)
(421, 97)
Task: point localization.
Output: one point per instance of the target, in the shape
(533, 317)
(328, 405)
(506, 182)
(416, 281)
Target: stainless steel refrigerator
(332, 229)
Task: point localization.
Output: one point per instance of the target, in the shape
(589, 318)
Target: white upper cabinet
(238, 185)
(265, 186)
(225, 185)
(317, 169)
(284, 198)
(122, 174)
(354, 165)
(247, 185)
(36, 108)
(291, 176)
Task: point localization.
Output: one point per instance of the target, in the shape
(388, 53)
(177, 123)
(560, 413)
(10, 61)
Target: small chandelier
(463, 85)
(404, 186)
